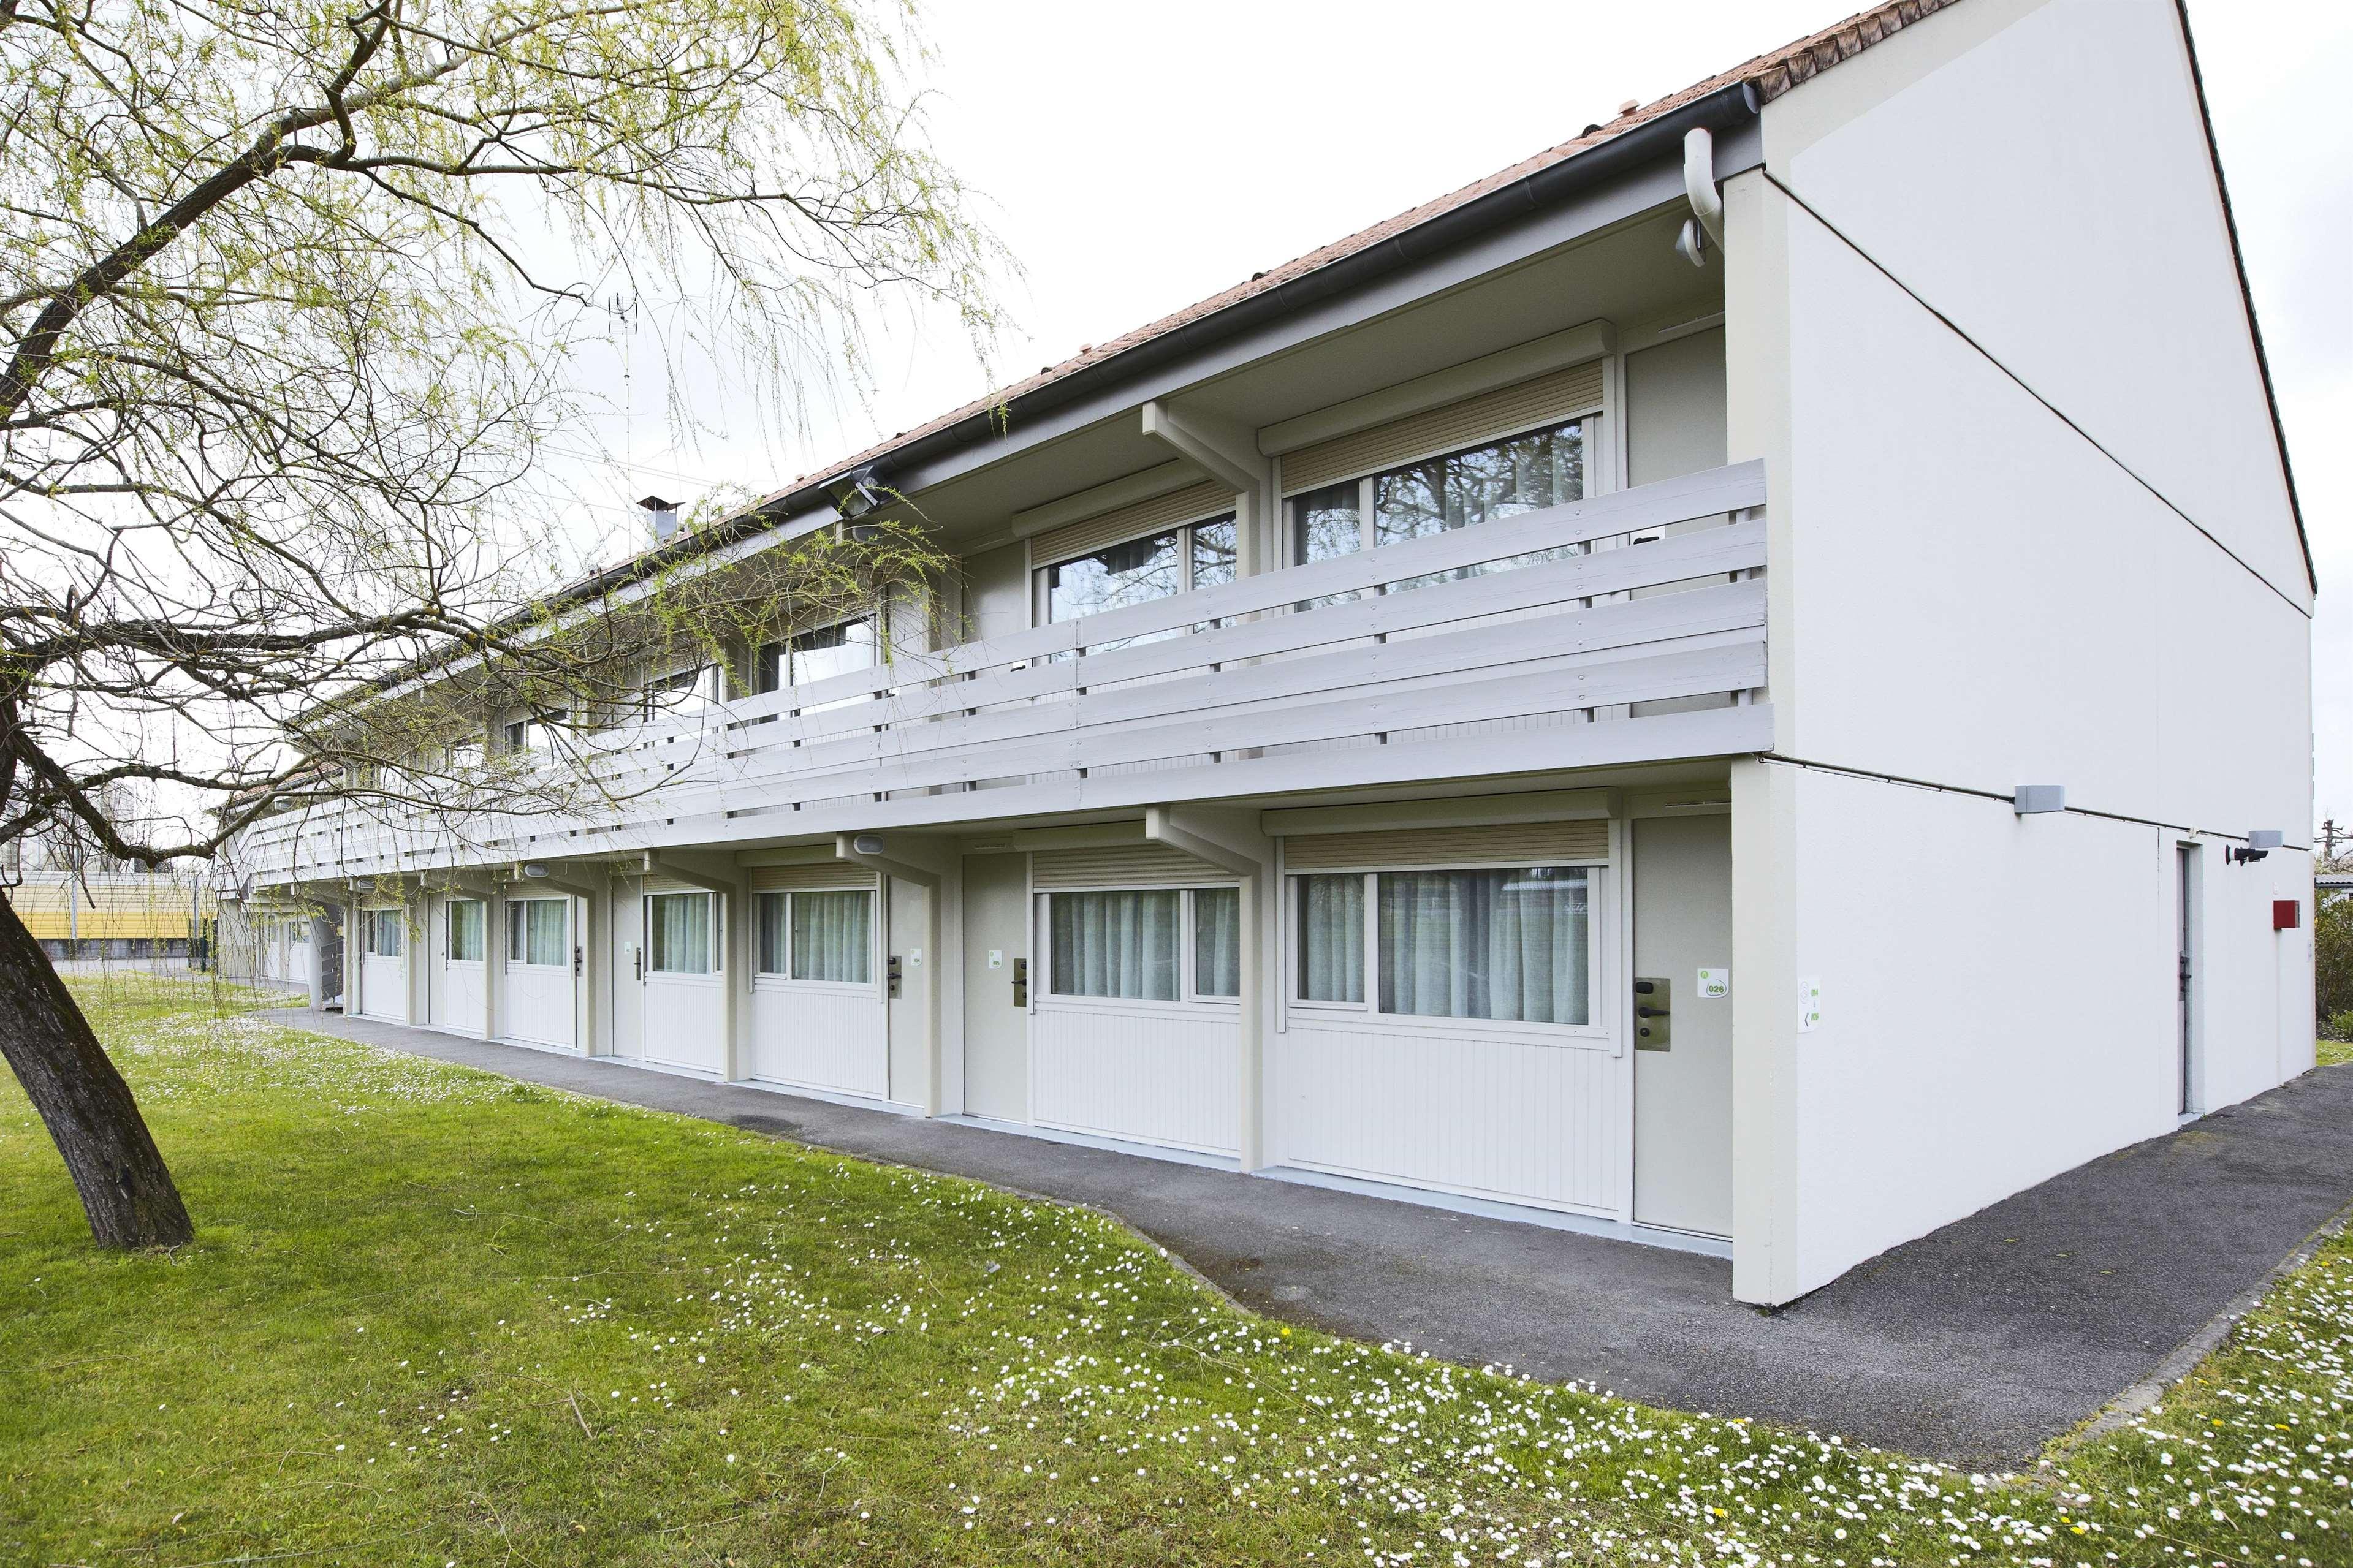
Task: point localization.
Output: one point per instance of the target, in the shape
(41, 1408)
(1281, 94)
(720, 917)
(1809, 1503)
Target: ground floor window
(826, 936)
(466, 930)
(681, 933)
(537, 930)
(1514, 944)
(1132, 944)
(385, 932)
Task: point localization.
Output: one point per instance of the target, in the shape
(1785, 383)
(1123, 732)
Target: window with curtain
(386, 932)
(537, 932)
(821, 936)
(1119, 945)
(466, 930)
(1503, 479)
(833, 936)
(679, 934)
(1511, 944)
(1216, 942)
(298, 930)
(1330, 927)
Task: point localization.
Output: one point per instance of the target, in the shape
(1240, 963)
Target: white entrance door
(458, 937)
(1682, 1092)
(384, 964)
(995, 959)
(685, 1000)
(536, 988)
(626, 937)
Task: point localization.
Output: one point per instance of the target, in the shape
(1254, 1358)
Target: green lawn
(434, 1317)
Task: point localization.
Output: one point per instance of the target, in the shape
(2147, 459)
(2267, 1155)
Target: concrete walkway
(1976, 1344)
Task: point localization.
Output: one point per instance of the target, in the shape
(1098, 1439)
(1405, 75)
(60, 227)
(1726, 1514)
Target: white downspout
(1705, 226)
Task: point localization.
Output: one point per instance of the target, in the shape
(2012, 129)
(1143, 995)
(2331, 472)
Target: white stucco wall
(1968, 593)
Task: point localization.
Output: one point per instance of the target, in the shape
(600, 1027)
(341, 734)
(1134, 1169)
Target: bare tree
(289, 301)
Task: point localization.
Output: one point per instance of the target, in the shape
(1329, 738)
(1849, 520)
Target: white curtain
(1217, 941)
(465, 931)
(831, 937)
(679, 933)
(1332, 939)
(1486, 944)
(1115, 944)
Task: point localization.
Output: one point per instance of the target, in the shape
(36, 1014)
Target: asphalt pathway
(1977, 1343)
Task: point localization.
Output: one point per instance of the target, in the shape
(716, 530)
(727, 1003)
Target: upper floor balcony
(1626, 627)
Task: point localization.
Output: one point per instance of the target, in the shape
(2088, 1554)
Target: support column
(1231, 840)
(1764, 1033)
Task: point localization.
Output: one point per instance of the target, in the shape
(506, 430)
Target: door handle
(1021, 982)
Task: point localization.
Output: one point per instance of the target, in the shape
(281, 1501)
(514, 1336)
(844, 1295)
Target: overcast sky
(1139, 158)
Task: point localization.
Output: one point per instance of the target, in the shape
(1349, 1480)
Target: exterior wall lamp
(2260, 841)
(2033, 800)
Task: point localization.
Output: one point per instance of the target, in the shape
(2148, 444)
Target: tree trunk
(125, 1188)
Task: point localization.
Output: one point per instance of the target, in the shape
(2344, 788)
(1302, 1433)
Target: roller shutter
(1507, 411)
(1584, 842)
(1143, 864)
(816, 877)
(1187, 505)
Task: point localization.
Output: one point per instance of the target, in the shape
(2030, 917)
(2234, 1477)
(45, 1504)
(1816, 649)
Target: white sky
(1140, 158)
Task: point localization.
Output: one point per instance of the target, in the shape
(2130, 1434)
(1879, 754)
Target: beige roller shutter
(816, 877)
(1187, 505)
(1585, 842)
(1506, 411)
(1143, 864)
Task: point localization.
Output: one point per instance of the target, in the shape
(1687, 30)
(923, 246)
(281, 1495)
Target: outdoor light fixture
(2260, 841)
(858, 493)
(534, 869)
(868, 844)
(2030, 800)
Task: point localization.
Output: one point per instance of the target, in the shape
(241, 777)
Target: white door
(685, 1001)
(384, 964)
(536, 988)
(1682, 1083)
(460, 935)
(995, 961)
(627, 1001)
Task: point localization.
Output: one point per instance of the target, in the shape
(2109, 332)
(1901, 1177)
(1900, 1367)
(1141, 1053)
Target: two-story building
(1738, 683)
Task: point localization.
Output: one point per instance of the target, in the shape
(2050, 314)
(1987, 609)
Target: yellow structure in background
(113, 906)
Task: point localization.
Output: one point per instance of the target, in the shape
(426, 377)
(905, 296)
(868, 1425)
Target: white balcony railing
(1520, 644)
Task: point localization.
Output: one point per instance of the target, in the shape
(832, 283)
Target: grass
(437, 1317)
(2333, 1053)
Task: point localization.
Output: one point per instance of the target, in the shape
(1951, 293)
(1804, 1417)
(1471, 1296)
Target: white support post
(929, 866)
(1231, 840)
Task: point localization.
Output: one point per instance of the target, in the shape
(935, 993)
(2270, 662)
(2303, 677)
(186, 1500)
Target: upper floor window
(535, 732)
(1138, 571)
(817, 653)
(685, 693)
(1503, 479)
(462, 756)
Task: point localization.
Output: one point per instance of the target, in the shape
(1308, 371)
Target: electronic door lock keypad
(1653, 1015)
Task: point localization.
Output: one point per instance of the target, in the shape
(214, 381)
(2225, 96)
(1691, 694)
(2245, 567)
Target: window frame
(713, 975)
(372, 947)
(693, 690)
(1041, 598)
(783, 979)
(1368, 483)
(516, 735)
(1189, 1001)
(518, 924)
(1600, 1030)
(449, 930)
(772, 660)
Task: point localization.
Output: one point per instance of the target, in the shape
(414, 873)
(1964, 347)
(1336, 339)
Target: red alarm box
(2286, 913)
